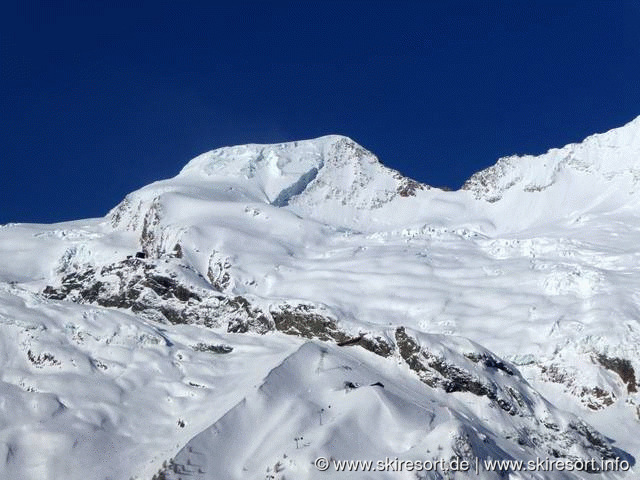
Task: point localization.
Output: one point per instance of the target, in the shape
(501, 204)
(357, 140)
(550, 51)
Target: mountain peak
(335, 181)
(330, 179)
(333, 169)
(277, 159)
(280, 170)
(602, 159)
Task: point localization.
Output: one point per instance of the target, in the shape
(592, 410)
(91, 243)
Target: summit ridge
(317, 301)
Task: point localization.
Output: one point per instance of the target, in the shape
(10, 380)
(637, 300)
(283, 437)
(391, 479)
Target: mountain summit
(341, 171)
(331, 179)
(275, 304)
(611, 159)
(335, 181)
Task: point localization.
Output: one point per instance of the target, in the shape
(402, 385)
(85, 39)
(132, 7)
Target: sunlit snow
(195, 329)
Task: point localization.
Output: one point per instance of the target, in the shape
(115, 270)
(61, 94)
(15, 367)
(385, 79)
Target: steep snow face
(331, 180)
(331, 170)
(613, 156)
(607, 156)
(278, 171)
(600, 174)
(321, 402)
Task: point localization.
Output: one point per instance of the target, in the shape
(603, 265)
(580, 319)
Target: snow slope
(347, 405)
(500, 319)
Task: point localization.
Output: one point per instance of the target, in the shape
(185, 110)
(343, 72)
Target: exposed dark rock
(376, 345)
(593, 397)
(42, 360)
(204, 347)
(594, 438)
(489, 361)
(302, 321)
(177, 251)
(246, 318)
(157, 291)
(605, 398)
(623, 368)
(350, 341)
(458, 380)
(409, 351)
(553, 374)
(438, 373)
(408, 187)
(53, 294)
(168, 288)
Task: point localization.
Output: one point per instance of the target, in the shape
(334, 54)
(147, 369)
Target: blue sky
(99, 100)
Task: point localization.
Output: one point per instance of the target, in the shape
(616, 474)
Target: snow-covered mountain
(274, 304)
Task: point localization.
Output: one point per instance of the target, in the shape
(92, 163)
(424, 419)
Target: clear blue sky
(97, 101)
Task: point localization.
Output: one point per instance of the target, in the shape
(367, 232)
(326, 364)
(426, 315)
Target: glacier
(273, 304)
